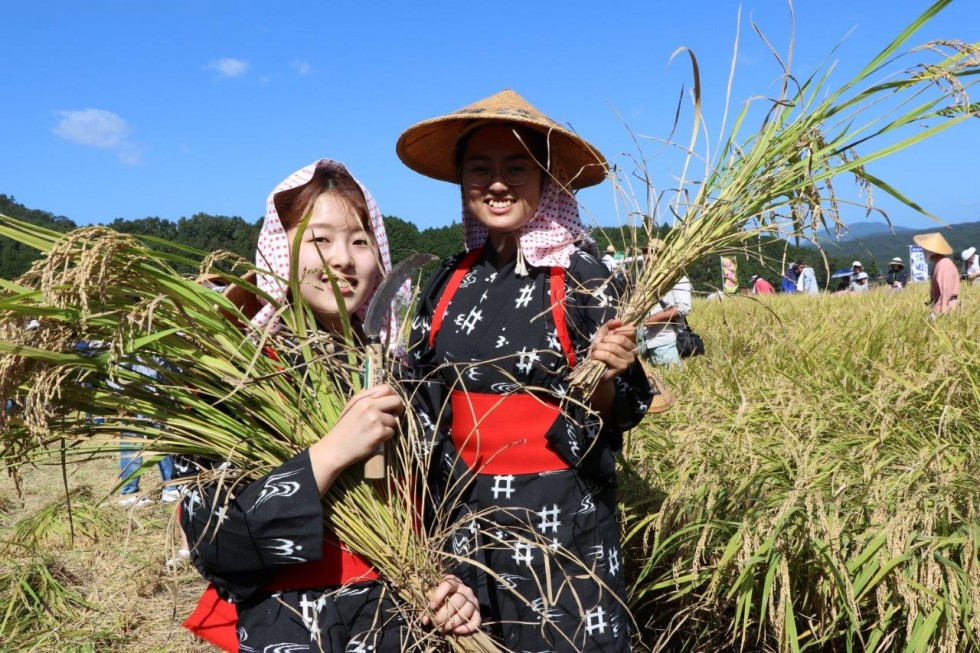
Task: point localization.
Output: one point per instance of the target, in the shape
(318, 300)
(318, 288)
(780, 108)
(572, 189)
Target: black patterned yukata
(252, 549)
(545, 534)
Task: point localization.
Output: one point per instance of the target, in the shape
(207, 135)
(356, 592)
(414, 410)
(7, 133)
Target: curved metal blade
(381, 302)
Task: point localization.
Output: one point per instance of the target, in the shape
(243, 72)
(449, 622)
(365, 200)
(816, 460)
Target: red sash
(215, 620)
(484, 426)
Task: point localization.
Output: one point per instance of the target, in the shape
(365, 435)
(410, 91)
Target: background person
(609, 258)
(498, 331)
(971, 265)
(807, 282)
(660, 327)
(859, 283)
(760, 286)
(132, 444)
(944, 290)
(788, 282)
(896, 277)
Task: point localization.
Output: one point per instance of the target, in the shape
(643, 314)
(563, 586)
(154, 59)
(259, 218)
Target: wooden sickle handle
(374, 466)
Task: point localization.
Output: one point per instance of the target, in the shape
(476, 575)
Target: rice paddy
(813, 488)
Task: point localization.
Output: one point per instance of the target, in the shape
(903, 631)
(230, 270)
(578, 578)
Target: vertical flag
(918, 265)
(729, 279)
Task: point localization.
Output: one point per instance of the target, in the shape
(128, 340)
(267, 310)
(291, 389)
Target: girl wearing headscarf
(279, 580)
(528, 465)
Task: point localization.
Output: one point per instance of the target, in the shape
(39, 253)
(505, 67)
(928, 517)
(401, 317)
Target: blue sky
(153, 108)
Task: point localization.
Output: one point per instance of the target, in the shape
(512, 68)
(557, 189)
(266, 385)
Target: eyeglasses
(480, 174)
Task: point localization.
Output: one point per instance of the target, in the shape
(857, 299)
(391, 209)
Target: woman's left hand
(615, 346)
(455, 610)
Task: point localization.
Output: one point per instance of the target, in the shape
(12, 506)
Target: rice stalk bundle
(777, 180)
(815, 486)
(109, 308)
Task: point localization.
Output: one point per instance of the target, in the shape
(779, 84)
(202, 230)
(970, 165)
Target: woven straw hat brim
(933, 242)
(429, 147)
(663, 398)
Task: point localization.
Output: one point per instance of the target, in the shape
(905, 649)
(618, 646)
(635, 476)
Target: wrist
(327, 464)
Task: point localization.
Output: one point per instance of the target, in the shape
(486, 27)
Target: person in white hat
(944, 293)
(971, 265)
(896, 277)
(859, 283)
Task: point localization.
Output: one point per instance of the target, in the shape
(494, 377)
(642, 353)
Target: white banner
(918, 265)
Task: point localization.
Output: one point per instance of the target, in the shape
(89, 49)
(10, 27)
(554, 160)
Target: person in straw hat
(609, 258)
(944, 292)
(278, 579)
(499, 329)
(971, 265)
(896, 277)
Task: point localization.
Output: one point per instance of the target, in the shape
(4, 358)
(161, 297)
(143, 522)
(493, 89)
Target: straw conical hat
(933, 242)
(429, 147)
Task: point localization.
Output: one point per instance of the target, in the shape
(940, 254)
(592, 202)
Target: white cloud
(99, 128)
(95, 127)
(301, 67)
(228, 67)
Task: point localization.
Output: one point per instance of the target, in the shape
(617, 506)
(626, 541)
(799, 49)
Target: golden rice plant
(106, 304)
(776, 178)
(815, 485)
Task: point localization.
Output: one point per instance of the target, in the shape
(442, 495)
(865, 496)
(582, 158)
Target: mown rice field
(814, 488)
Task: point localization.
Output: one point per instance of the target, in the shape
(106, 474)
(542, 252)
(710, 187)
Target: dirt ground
(117, 561)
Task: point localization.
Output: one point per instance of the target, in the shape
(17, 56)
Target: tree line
(231, 233)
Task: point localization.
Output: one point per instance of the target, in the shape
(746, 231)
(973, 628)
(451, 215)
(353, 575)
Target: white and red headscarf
(551, 235)
(272, 254)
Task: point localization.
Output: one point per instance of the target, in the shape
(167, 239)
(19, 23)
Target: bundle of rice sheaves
(101, 313)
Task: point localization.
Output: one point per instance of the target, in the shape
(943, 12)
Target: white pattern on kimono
(276, 486)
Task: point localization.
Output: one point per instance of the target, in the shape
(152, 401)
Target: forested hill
(217, 232)
(210, 233)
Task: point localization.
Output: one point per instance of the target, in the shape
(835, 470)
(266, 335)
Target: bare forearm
(668, 315)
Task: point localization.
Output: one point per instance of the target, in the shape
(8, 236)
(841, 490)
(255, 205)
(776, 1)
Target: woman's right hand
(368, 419)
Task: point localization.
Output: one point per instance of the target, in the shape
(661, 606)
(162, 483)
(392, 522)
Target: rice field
(813, 488)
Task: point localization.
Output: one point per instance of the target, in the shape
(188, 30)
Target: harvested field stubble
(815, 486)
(106, 589)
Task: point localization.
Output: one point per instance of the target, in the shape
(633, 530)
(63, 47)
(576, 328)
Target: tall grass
(815, 485)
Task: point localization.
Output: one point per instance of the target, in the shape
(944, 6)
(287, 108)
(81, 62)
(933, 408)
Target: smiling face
(335, 241)
(494, 155)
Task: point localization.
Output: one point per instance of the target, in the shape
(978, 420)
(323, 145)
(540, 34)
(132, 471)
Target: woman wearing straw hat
(498, 331)
(896, 277)
(971, 265)
(944, 292)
